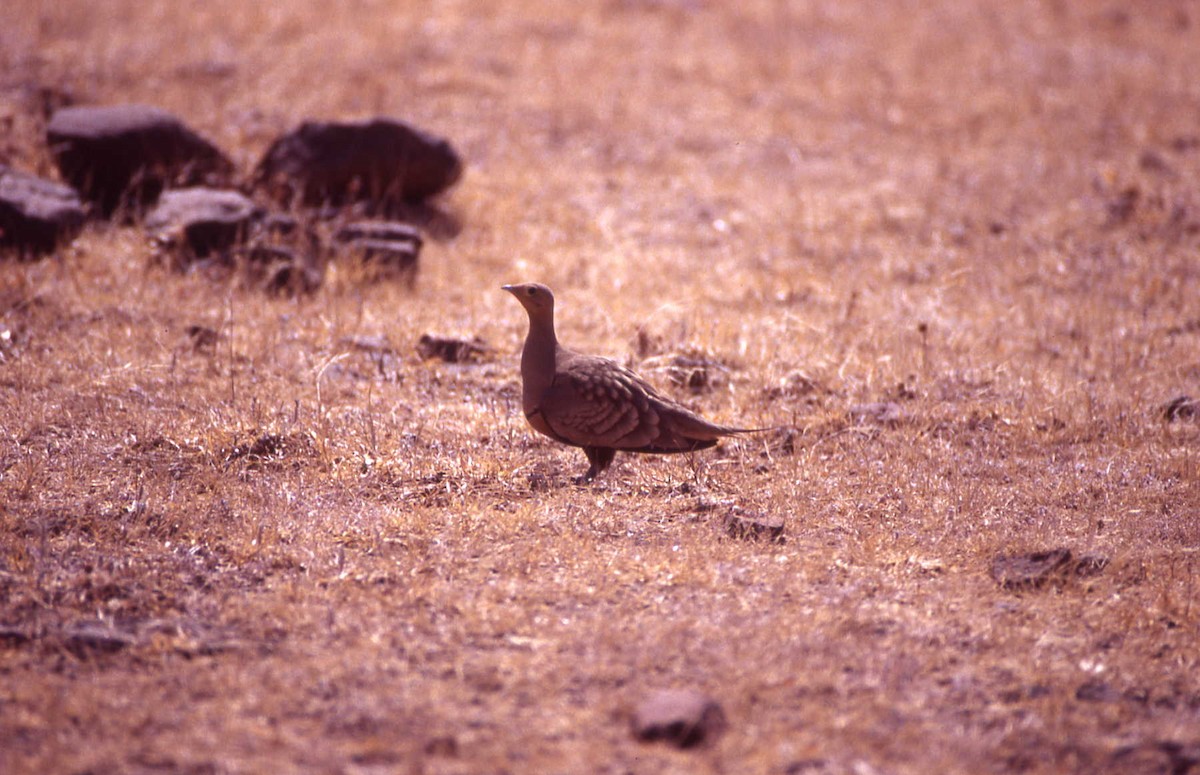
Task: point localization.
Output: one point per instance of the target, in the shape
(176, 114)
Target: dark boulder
(123, 156)
(36, 215)
(383, 163)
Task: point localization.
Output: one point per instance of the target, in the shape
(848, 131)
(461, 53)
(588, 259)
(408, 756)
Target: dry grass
(318, 559)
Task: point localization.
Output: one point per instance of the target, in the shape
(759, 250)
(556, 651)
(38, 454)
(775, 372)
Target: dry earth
(266, 548)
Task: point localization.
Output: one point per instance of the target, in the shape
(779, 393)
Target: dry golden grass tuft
(233, 539)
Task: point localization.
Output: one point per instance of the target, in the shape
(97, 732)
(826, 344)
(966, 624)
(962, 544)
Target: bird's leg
(600, 458)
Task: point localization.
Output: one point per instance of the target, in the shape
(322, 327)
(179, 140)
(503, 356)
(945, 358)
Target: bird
(596, 403)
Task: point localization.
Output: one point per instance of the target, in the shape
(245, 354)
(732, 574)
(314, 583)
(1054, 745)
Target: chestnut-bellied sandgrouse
(596, 403)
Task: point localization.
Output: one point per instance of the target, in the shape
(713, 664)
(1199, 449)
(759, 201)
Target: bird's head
(536, 298)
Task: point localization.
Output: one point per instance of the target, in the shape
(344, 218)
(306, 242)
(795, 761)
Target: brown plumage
(596, 403)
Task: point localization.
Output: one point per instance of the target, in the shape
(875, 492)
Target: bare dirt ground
(280, 552)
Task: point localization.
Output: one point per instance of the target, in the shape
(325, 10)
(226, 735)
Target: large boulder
(125, 155)
(382, 163)
(36, 215)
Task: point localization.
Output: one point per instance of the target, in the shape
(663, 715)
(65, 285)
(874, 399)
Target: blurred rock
(292, 277)
(1165, 756)
(795, 384)
(1153, 161)
(879, 413)
(195, 223)
(14, 636)
(452, 350)
(1097, 691)
(1029, 571)
(381, 231)
(1181, 408)
(125, 155)
(391, 247)
(682, 717)
(383, 163)
(1032, 571)
(89, 638)
(697, 373)
(36, 215)
(1121, 207)
(202, 338)
(753, 526)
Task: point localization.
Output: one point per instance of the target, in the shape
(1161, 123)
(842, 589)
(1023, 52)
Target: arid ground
(950, 251)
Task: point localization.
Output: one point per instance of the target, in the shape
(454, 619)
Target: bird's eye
(532, 291)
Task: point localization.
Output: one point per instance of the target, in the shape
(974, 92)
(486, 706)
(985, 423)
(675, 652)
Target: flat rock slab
(391, 247)
(1181, 408)
(683, 718)
(879, 413)
(383, 162)
(754, 526)
(452, 350)
(125, 155)
(202, 221)
(1036, 569)
(89, 638)
(36, 215)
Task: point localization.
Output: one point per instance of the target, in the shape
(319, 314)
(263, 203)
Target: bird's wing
(596, 402)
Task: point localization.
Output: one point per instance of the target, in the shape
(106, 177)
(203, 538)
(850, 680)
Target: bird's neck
(538, 361)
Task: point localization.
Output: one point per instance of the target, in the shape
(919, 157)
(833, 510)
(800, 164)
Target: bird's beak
(509, 288)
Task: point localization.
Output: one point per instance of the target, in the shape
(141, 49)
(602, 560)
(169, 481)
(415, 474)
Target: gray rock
(383, 163)
(88, 638)
(753, 526)
(125, 155)
(199, 222)
(1036, 569)
(391, 247)
(452, 350)
(36, 215)
(879, 413)
(682, 717)
(1180, 408)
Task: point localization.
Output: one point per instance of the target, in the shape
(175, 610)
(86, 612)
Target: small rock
(197, 222)
(444, 745)
(879, 413)
(202, 338)
(1123, 206)
(391, 246)
(124, 155)
(452, 350)
(292, 278)
(8, 343)
(90, 638)
(383, 231)
(795, 384)
(698, 374)
(14, 636)
(1031, 571)
(375, 345)
(36, 215)
(1097, 691)
(754, 526)
(1087, 565)
(682, 717)
(383, 162)
(391, 257)
(1168, 756)
(1152, 161)
(1181, 408)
